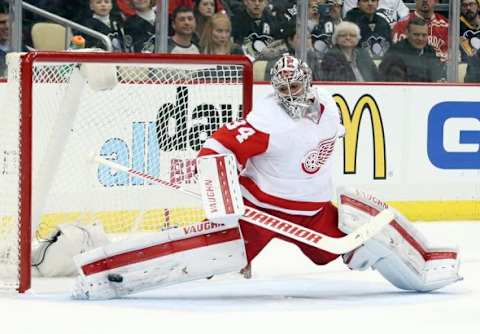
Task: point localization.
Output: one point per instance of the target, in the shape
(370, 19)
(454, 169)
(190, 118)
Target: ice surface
(287, 294)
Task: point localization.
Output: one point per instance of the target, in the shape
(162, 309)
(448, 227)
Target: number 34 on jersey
(243, 130)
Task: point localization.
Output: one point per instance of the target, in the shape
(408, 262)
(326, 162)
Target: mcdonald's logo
(351, 122)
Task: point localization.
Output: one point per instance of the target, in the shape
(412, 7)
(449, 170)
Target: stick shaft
(281, 226)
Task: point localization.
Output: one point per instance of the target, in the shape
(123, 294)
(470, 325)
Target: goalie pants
(325, 221)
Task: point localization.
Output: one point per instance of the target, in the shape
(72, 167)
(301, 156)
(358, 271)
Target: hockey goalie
(277, 163)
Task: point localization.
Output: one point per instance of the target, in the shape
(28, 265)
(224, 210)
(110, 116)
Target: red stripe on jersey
(426, 254)
(242, 147)
(206, 151)
(278, 201)
(163, 249)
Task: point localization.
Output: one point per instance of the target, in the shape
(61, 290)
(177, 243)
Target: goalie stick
(281, 226)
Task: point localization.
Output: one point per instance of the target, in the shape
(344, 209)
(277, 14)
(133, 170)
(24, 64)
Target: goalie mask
(291, 79)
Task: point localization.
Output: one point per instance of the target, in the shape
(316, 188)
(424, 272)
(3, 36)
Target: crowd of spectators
(348, 40)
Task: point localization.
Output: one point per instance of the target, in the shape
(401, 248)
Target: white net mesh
(9, 181)
(154, 121)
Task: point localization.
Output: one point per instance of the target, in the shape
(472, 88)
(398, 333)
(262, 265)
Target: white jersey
(286, 164)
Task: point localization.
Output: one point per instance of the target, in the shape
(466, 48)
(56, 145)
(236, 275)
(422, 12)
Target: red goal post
(151, 112)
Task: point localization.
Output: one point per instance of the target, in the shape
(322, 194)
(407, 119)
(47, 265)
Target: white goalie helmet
(291, 79)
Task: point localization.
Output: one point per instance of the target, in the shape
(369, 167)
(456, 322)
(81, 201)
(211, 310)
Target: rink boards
(429, 166)
(415, 146)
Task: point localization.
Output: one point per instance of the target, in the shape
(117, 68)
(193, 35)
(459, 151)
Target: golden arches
(351, 121)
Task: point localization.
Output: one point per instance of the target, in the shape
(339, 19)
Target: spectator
(313, 15)
(288, 45)
(284, 12)
(330, 15)
(4, 39)
(469, 28)
(172, 4)
(473, 69)
(374, 29)
(203, 10)
(183, 25)
(125, 9)
(391, 10)
(232, 6)
(216, 36)
(104, 22)
(436, 23)
(419, 57)
(75, 10)
(393, 69)
(346, 61)
(140, 28)
(254, 27)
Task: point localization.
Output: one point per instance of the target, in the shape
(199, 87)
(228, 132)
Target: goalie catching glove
(400, 252)
(53, 257)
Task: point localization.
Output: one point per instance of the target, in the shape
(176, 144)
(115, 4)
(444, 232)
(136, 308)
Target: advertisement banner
(417, 147)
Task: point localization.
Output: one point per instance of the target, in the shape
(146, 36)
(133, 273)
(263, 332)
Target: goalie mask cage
(149, 112)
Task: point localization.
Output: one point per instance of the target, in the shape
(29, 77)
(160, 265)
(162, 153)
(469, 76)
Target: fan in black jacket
(140, 28)
(113, 28)
(254, 29)
(418, 58)
(374, 30)
(107, 23)
(473, 69)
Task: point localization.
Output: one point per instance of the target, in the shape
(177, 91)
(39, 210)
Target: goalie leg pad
(399, 252)
(166, 258)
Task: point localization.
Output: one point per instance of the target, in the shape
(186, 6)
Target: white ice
(287, 294)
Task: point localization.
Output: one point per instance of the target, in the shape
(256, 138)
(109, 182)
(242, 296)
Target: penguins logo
(377, 45)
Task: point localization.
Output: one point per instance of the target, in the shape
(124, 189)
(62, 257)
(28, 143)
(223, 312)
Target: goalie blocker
(400, 253)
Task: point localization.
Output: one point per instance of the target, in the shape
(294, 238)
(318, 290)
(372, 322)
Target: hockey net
(153, 117)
